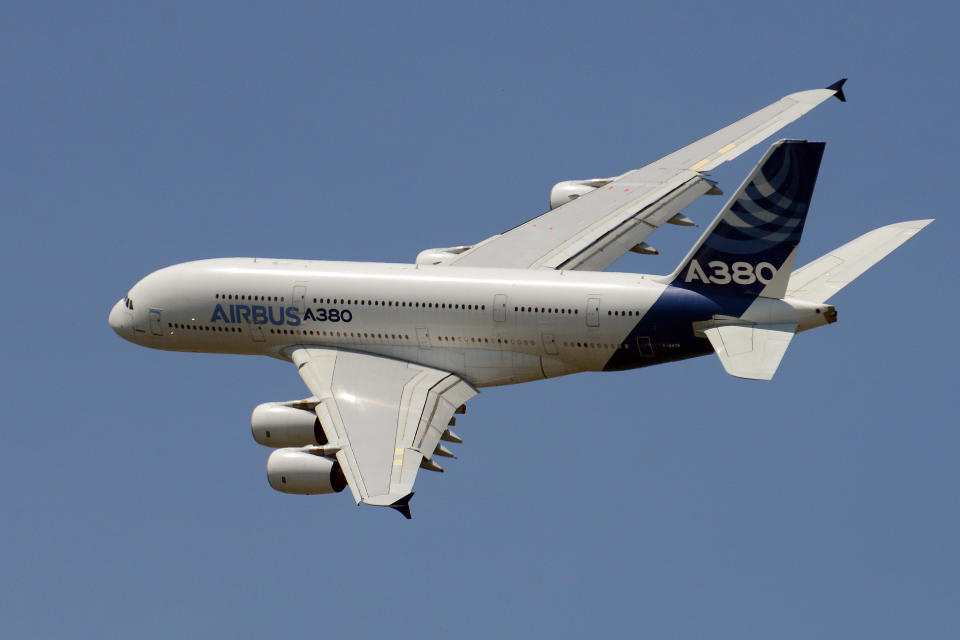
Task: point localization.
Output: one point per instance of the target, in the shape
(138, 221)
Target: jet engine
(275, 424)
(299, 472)
(439, 256)
(564, 192)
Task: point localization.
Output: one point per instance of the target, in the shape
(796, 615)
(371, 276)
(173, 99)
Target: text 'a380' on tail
(749, 248)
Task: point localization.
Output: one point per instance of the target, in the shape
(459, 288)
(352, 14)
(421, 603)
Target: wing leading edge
(383, 417)
(590, 232)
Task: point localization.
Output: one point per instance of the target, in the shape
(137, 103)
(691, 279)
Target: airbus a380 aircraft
(390, 352)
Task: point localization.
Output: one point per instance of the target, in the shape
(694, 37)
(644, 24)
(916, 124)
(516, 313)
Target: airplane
(392, 352)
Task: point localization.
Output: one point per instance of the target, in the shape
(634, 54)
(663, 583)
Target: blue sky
(672, 502)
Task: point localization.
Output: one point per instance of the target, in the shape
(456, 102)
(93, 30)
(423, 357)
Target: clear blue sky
(672, 502)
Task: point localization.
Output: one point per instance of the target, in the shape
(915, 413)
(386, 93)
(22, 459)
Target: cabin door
(423, 338)
(593, 312)
(299, 299)
(549, 344)
(499, 308)
(156, 328)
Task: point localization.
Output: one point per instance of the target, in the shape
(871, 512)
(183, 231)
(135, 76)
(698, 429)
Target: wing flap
(598, 247)
(386, 415)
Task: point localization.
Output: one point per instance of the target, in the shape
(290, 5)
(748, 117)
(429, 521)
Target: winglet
(838, 88)
(403, 505)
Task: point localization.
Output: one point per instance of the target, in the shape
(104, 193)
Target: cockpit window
(128, 303)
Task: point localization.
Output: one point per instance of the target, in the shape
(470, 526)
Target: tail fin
(820, 279)
(750, 247)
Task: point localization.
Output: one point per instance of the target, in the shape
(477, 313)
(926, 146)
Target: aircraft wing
(383, 417)
(591, 231)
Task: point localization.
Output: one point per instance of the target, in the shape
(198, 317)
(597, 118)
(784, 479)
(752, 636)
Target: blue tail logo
(750, 246)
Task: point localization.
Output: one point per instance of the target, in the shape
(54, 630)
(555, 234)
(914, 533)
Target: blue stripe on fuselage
(665, 332)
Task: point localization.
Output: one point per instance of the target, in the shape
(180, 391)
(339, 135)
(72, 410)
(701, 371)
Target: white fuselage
(488, 326)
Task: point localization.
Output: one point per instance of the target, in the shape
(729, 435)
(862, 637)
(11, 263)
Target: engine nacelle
(564, 192)
(302, 473)
(278, 425)
(439, 256)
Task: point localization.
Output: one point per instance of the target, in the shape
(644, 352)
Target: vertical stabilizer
(750, 247)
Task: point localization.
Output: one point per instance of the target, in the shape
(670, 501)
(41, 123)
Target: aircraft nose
(116, 319)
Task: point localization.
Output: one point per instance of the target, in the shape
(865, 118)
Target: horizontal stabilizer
(820, 279)
(751, 351)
